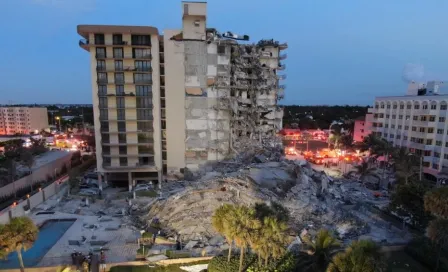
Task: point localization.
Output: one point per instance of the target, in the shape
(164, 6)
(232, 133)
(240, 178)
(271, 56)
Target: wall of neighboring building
(38, 118)
(175, 101)
(359, 130)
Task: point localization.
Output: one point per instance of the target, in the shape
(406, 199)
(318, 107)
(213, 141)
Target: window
(102, 90)
(392, 126)
(103, 114)
(414, 128)
(385, 135)
(406, 127)
(387, 116)
(395, 106)
(121, 115)
(142, 78)
(141, 53)
(433, 106)
(101, 52)
(405, 138)
(101, 65)
(143, 114)
(400, 126)
(106, 161)
(119, 78)
(419, 140)
(106, 149)
(388, 106)
(435, 166)
(445, 156)
(104, 126)
(120, 102)
(143, 65)
(99, 38)
(422, 129)
(102, 77)
(394, 116)
(121, 126)
(381, 115)
(446, 144)
(117, 39)
(102, 101)
(407, 117)
(422, 118)
(391, 136)
(122, 150)
(426, 164)
(143, 90)
(105, 138)
(432, 118)
(118, 65)
(425, 107)
(141, 40)
(144, 137)
(124, 161)
(415, 117)
(144, 126)
(409, 106)
(439, 131)
(386, 125)
(428, 141)
(427, 153)
(438, 143)
(118, 53)
(382, 106)
(401, 107)
(145, 149)
(119, 89)
(437, 154)
(376, 106)
(441, 119)
(145, 160)
(375, 115)
(430, 130)
(416, 106)
(144, 102)
(222, 50)
(443, 107)
(122, 138)
(400, 117)
(398, 136)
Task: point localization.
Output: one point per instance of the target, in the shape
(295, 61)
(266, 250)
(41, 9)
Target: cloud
(68, 5)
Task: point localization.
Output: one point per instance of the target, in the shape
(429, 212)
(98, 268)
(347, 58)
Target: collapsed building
(163, 103)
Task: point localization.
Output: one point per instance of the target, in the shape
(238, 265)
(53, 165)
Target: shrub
(220, 264)
(423, 251)
(173, 254)
(285, 264)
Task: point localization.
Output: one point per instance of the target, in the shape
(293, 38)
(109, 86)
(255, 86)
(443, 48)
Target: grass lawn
(399, 261)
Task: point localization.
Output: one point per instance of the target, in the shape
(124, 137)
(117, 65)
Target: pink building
(363, 126)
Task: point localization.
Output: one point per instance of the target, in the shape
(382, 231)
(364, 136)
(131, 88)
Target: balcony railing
(281, 87)
(86, 42)
(281, 77)
(283, 56)
(281, 67)
(143, 81)
(283, 46)
(102, 81)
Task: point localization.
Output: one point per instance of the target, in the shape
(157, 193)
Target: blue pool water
(49, 233)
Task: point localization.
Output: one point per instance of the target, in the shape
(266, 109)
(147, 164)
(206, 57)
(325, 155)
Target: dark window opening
(99, 38)
(117, 39)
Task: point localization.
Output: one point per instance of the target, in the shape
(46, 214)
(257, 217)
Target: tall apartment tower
(163, 103)
(23, 120)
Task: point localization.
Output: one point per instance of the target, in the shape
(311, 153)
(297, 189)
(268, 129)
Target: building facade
(181, 100)
(22, 120)
(417, 122)
(363, 126)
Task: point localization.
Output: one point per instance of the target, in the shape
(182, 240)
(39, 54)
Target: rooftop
(84, 30)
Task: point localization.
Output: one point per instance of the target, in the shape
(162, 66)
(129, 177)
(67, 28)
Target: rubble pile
(314, 200)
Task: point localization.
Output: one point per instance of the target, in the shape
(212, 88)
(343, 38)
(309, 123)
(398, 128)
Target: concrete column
(130, 181)
(100, 181)
(160, 178)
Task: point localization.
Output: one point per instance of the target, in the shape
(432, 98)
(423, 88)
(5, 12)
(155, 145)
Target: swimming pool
(49, 233)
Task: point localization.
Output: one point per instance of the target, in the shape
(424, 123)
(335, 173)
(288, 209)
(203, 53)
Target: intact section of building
(181, 100)
(363, 126)
(22, 120)
(417, 122)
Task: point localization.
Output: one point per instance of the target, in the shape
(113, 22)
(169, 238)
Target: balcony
(148, 167)
(281, 77)
(281, 87)
(126, 144)
(281, 67)
(142, 57)
(283, 56)
(86, 43)
(143, 82)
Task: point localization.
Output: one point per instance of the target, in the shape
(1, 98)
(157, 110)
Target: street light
(59, 120)
(329, 130)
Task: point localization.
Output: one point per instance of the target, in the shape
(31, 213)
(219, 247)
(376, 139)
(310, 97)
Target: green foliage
(19, 235)
(321, 247)
(362, 255)
(363, 170)
(287, 263)
(220, 264)
(423, 250)
(408, 200)
(436, 202)
(174, 254)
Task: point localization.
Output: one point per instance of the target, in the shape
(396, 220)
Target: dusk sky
(340, 52)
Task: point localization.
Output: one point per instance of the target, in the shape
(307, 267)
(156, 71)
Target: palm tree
(363, 171)
(370, 141)
(362, 255)
(270, 240)
(335, 137)
(245, 228)
(221, 222)
(20, 234)
(346, 141)
(406, 163)
(27, 158)
(321, 249)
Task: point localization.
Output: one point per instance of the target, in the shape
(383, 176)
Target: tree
(335, 137)
(346, 141)
(221, 222)
(275, 210)
(245, 227)
(363, 171)
(362, 255)
(321, 248)
(371, 141)
(27, 159)
(438, 233)
(270, 240)
(20, 234)
(406, 163)
(408, 200)
(73, 181)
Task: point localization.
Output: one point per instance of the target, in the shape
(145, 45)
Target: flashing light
(14, 204)
(28, 196)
